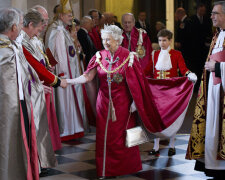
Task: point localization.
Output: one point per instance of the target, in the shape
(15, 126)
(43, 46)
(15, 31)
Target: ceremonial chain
(46, 57)
(110, 72)
(5, 41)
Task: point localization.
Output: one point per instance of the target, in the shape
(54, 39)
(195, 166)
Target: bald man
(136, 40)
(89, 50)
(86, 25)
(45, 17)
(184, 36)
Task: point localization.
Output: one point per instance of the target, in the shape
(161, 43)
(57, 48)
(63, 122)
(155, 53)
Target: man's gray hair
(114, 31)
(8, 17)
(128, 14)
(39, 7)
(32, 16)
(222, 3)
(85, 19)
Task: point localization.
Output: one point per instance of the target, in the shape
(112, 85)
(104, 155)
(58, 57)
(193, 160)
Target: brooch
(71, 51)
(118, 78)
(140, 50)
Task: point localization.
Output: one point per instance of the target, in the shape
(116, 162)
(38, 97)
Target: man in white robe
(70, 107)
(207, 136)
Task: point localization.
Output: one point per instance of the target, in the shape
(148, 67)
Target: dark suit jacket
(147, 28)
(184, 37)
(86, 44)
(201, 34)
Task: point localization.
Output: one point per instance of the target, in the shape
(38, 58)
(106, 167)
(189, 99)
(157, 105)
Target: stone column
(170, 17)
(76, 6)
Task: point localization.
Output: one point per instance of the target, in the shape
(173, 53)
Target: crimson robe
(96, 38)
(120, 160)
(134, 40)
(156, 116)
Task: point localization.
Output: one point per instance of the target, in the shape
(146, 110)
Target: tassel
(113, 112)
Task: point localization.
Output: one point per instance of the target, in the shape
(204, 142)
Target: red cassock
(133, 45)
(178, 66)
(96, 38)
(115, 158)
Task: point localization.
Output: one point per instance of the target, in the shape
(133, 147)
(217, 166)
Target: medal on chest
(140, 51)
(118, 78)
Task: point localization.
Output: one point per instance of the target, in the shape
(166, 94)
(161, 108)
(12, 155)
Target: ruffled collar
(164, 60)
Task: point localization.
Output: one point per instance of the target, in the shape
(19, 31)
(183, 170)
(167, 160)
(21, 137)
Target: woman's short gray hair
(114, 31)
(8, 17)
(32, 16)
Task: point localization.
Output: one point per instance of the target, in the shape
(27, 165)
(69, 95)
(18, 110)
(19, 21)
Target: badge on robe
(140, 50)
(118, 78)
(71, 51)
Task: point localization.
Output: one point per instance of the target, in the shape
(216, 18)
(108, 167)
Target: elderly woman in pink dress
(123, 89)
(121, 84)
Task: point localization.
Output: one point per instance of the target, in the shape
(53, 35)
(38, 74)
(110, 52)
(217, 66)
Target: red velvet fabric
(71, 137)
(52, 121)
(146, 43)
(31, 149)
(120, 160)
(159, 103)
(171, 97)
(96, 38)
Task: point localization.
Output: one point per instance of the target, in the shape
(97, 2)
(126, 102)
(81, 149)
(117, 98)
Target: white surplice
(59, 41)
(212, 118)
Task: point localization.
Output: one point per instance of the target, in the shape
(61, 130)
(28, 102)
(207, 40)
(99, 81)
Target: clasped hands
(210, 65)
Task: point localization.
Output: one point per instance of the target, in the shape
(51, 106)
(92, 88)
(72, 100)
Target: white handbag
(135, 136)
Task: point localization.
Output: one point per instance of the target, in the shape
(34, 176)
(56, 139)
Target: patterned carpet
(77, 161)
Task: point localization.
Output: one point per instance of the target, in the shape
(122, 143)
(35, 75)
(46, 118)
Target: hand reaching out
(63, 83)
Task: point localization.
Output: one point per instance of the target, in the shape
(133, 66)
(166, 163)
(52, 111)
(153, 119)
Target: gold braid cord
(5, 44)
(196, 145)
(221, 146)
(45, 56)
(110, 72)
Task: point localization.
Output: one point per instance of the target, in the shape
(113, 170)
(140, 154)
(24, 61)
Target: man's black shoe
(171, 151)
(154, 153)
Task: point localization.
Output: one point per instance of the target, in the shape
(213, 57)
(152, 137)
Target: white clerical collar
(164, 60)
(183, 18)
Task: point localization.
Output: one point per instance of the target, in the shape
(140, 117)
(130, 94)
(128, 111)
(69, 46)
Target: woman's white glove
(192, 77)
(79, 80)
(133, 107)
